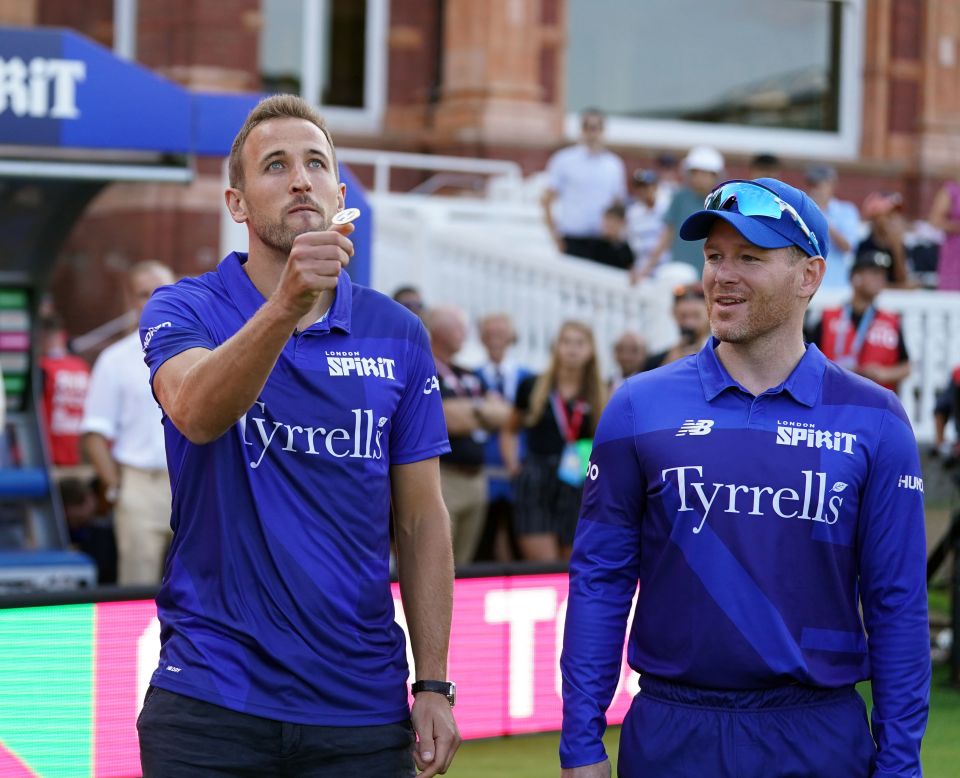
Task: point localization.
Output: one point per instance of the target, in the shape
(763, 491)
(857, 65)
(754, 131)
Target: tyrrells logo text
(810, 505)
(359, 437)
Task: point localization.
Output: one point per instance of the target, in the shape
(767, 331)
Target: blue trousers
(181, 737)
(675, 731)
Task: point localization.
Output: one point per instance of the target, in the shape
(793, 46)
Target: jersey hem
(335, 719)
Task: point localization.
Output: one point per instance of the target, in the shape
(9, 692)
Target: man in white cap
(702, 166)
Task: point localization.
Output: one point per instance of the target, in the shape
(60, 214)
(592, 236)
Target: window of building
(331, 52)
(745, 75)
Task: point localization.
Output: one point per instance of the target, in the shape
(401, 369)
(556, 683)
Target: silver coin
(345, 216)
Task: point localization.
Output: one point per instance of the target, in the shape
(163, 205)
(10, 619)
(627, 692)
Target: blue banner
(60, 89)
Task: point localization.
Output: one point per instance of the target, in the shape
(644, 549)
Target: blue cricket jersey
(754, 526)
(276, 596)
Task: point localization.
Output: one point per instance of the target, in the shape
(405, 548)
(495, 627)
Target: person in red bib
(65, 377)
(859, 336)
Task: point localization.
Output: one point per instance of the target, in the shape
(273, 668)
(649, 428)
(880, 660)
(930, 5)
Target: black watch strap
(447, 688)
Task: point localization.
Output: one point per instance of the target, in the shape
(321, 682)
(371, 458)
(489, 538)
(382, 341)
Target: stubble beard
(280, 236)
(764, 315)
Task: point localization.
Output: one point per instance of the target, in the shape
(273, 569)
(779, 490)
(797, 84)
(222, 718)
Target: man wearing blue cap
(769, 498)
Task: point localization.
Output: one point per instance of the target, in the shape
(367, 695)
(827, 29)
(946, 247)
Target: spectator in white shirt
(583, 181)
(123, 438)
(645, 220)
(843, 219)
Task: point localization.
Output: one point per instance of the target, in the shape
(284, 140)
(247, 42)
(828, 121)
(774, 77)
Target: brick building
(873, 87)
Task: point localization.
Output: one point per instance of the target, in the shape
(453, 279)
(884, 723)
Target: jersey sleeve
(102, 402)
(604, 571)
(418, 430)
(169, 326)
(892, 560)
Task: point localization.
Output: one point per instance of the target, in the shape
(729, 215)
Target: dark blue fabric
(794, 731)
(181, 736)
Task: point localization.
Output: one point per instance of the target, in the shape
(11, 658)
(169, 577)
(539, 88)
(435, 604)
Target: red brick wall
(214, 33)
(93, 18)
(88, 281)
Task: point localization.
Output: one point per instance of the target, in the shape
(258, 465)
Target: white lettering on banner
(521, 609)
(791, 433)
(814, 486)
(401, 618)
(360, 440)
(148, 658)
(25, 88)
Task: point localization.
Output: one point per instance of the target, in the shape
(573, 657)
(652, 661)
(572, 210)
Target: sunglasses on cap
(755, 200)
(688, 292)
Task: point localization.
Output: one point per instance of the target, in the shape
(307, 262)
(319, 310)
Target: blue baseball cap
(767, 212)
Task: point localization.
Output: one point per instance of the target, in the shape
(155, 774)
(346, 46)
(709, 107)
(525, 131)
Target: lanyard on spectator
(568, 424)
(843, 326)
(451, 379)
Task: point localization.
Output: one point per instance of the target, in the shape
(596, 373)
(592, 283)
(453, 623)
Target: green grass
(938, 599)
(535, 756)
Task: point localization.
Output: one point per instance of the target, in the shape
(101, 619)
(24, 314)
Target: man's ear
(236, 205)
(813, 272)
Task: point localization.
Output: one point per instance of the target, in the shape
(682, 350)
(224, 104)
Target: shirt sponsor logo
(153, 331)
(345, 363)
(432, 385)
(698, 427)
(913, 482)
(812, 504)
(798, 433)
(593, 472)
(358, 438)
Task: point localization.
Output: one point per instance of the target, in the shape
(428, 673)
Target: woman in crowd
(558, 411)
(945, 215)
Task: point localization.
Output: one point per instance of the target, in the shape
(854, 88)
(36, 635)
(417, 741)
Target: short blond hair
(275, 107)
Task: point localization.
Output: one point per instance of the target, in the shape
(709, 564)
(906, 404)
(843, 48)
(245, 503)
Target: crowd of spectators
(520, 439)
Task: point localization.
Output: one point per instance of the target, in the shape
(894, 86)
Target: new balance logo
(698, 427)
(344, 363)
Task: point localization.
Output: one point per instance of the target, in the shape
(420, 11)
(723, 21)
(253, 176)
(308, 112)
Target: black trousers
(181, 736)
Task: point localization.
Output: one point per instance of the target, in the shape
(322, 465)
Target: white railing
(383, 162)
(487, 257)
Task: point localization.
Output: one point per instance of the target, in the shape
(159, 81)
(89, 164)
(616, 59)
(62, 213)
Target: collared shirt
(685, 202)
(586, 183)
(121, 407)
(276, 596)
(754, 526)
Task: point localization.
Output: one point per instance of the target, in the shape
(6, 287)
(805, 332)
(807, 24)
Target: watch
(447, 688)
